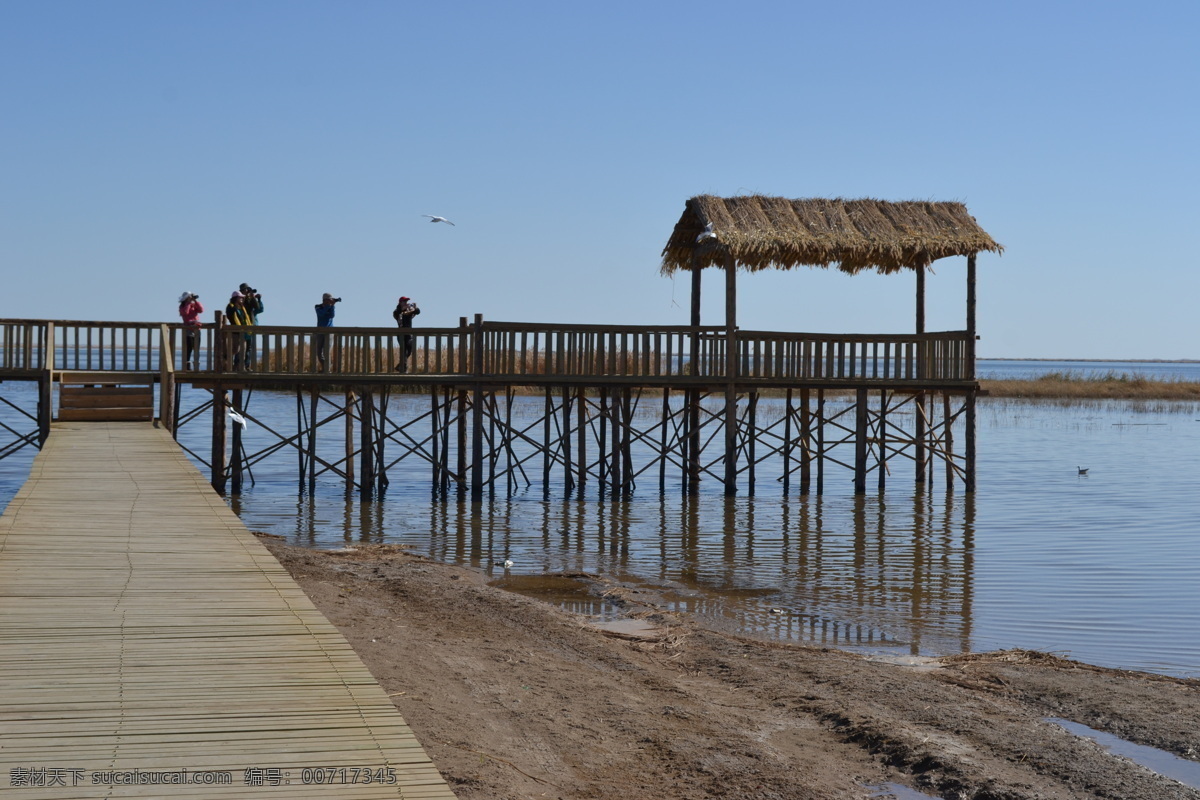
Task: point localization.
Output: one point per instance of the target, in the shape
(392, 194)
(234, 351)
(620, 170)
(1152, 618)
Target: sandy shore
(514, 698)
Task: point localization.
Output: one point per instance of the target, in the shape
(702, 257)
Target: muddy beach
(517, 698)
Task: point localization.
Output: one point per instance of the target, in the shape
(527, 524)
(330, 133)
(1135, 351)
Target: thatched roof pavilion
(759, 232)
(756, 233)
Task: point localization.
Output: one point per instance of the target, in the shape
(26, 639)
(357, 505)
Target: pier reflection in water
(851, 572)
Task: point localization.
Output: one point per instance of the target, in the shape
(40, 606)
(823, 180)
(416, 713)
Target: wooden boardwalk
(146, 637)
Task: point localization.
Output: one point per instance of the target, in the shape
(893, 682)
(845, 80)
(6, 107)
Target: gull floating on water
(708, 234)
(432, 218)
(506, 563)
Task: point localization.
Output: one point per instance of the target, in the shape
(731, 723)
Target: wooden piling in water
(236, 456)
(860, 441)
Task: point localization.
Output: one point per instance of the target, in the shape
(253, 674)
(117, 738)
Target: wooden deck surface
(144, 632)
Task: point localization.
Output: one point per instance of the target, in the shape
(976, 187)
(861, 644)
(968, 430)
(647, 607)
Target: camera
(337, 299)
(195, 297)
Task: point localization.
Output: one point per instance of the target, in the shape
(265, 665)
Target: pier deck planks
(142, 627)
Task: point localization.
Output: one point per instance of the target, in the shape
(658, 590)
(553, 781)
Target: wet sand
(516, 698)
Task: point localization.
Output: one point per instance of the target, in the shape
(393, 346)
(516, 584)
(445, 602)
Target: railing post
(218, 358)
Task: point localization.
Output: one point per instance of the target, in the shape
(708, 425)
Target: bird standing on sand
(708, 234)
(432, 218)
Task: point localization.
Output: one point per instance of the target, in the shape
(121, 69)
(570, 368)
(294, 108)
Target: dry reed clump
(1109, 386)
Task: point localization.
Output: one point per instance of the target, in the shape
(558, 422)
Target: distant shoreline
(1102, 360)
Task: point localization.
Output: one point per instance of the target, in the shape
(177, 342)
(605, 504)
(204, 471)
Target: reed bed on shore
(1079, 386)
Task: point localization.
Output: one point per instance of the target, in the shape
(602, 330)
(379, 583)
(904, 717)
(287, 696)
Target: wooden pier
(621, 408)
(866, 404)
(151, 647)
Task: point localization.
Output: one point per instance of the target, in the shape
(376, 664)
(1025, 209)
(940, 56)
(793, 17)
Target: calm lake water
(1100, 568)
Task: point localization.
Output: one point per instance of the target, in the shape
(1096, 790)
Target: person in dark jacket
(404, 313)
(236, 314)
(253, 306)
(326, 309)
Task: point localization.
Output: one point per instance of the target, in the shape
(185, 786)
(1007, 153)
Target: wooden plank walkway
(146, 635)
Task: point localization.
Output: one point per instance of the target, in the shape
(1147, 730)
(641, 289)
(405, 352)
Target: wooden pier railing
(508, 350)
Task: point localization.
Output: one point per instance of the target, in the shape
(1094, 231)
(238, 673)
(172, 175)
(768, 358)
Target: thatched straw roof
(765, 232)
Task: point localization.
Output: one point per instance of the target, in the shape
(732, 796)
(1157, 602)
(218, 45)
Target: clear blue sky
(153, 147)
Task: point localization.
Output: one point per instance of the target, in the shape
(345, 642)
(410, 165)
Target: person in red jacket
(190, 311)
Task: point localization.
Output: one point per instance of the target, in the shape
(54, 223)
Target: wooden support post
(461, 447)
(692, 483)
(176, 401)
(731, 375)
(314, 395)
(236, 466)
(508, 453)
(602, 441)
(614, 469)
(806, 443)
(820, 441)
(882, 439)
(45, 407)
(787, 442)
(969, 434)
(547, 417)
(492, 454)
(379, 406)
(477, 411)
(919, 407)
(860, 441)
(969, 416)
(919, 436)
(568, 477)
(300, 449)
(948, 440)
(445, 484)
(366, 447)
(627, 442)
(435, 436)
(920, 299)
(581, 450)
(217, 462)
(662, 442)
(349, 419)
(751, 436)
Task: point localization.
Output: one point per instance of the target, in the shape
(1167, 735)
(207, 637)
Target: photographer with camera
(325, 313)
(404, 313)
(190, 311)
(254, 306)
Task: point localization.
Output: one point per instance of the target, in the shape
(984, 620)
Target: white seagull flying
(708, 234)
(432, 218)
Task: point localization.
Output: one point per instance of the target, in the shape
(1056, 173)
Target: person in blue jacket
(326, 310)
